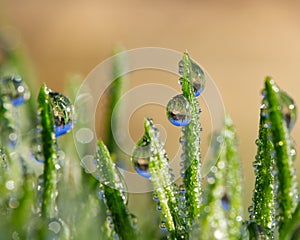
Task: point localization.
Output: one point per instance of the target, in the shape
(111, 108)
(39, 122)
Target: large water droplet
(197, 76)
(16, 90)
(288, 109)
(63, 111)
(179, 111)
(141, 157)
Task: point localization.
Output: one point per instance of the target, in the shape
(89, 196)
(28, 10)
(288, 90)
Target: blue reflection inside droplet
(142, 173)
(62, 129)
(225, 203)
(17, 101)
(198, 92)
(179, 123)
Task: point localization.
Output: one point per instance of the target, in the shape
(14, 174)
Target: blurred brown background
(238, 43)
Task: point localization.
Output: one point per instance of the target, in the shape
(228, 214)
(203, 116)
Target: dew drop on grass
(63, 112)
(197, 76)
(179, 111)
(16, 90)
(163, 226)
(140, 159)
(225, 202)
(288, 109)
(54, 226)
(251, 210)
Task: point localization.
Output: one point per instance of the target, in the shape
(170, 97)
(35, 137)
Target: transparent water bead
(288, 109)
(140, 158)
(179, 111)
(197, 77)
(63, 111)
(225, 202)
(163, 226)
(16, 90)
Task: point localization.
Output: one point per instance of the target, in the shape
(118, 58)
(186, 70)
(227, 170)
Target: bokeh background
(237, 42)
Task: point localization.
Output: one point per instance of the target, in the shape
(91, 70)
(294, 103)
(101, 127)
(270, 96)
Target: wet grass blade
(287, 190)
(112, 187)
(51, 165)
(191, 146)
(263, 209)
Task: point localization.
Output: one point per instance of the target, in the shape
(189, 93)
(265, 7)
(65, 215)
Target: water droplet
(197, 75)
(155, 197)
(159, 208)
(54, 226)
(179, 111)
(182, 189)
(251, 210)
(10, 185)
(13, 202)
(198, 78)
(218, 234)
(16, 90)
(141, 157)
(288, 109)
(63, 112)
(180, 67)
(225, 202)
(182, 140)
(163, 226)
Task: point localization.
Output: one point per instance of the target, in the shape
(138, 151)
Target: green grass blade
(291, 229)
(110, 181)
(233, 181)
(287, 192)
(263, 209)
(51, 165)
(163, 183)
(115, 92)
(191, 147)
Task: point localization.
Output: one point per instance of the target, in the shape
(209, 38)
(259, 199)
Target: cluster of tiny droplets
(116, 183)
(14, 92)
(167, 182)
(198, 81)
(109, 223)
(257, 164)
(40, 191)
(37, 140)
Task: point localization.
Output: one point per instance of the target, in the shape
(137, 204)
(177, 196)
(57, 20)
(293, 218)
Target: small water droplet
(182, 189)
(218, 234)
(140, 159)
(159, 208)
(251, 210)
(225, 202)
(54, 226)
(180, 67)
(163, 226)
(179, 111)
(13, 202)
(63, 112)
(10, 185)
(288, 109)
(155, 197)
(16, 90)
